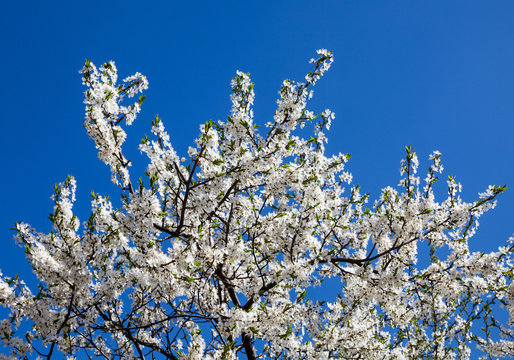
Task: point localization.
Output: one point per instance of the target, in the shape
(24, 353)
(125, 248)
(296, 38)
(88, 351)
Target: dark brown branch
(126, 332)
(171, 233)
(247, 344)
(66, 318)
(247, 340)
(228, 285)
(179, 173)
(361, 262)
(262, 290)
(223, 199)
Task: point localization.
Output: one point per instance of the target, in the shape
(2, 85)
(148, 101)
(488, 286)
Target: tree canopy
(217, 254)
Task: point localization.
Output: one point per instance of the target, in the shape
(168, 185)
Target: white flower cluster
(217, 255)
(104, 113)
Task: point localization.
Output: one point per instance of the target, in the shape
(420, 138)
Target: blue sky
(437, 75)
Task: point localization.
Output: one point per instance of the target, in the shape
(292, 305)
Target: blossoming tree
(216, 255)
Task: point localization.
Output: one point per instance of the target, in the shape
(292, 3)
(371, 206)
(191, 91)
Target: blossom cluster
(104, 113)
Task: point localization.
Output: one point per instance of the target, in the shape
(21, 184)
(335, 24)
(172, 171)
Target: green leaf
(301, 296)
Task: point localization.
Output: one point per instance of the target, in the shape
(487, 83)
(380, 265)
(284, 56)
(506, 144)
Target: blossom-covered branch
(223, 253)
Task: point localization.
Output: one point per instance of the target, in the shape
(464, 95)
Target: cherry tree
(217, 255)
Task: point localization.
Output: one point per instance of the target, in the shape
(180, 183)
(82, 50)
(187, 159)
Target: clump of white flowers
(215, 255)
(104, 113)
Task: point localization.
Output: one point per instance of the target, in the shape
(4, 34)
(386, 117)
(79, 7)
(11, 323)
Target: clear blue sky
(435, 74)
